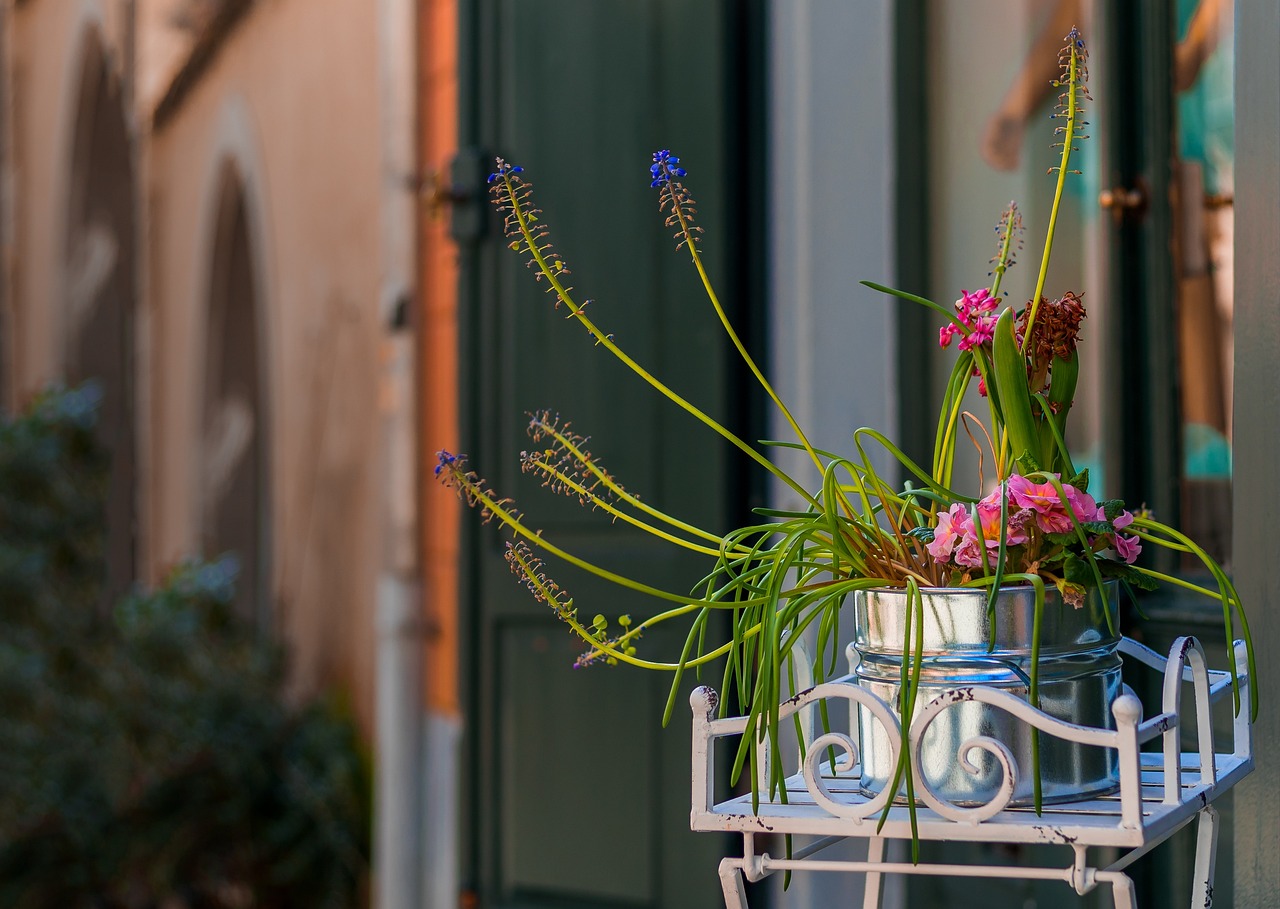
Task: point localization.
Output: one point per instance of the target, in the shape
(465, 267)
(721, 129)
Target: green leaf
(1077, 571)
(1096, 527)
(1010, 376)
(1112, 508)
(923, 534)
(1063, 375)
(1127, 573)
(1081, 482)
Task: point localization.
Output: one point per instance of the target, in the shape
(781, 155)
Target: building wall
(287, 101)
(299, 131)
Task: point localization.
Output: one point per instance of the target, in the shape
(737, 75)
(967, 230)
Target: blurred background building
(262, 225)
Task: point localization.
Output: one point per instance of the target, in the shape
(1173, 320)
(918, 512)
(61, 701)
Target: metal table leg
(1206, 858)
(871, 893)
(731, 883)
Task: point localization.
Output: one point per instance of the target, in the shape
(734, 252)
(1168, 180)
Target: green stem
(1002, 260)
(1068, 137)
(531, 245)
(733, 335)
(582, 492)
(495, 508)
(621, 493)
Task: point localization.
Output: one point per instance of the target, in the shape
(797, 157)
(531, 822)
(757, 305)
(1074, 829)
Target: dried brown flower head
(1056, 331)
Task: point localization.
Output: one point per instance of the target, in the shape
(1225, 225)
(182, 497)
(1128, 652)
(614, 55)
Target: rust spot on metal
(1053, 835)
(960, 695)
(796, 699)
(752, 818)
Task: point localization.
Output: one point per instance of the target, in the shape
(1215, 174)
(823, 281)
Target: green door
(576, 796)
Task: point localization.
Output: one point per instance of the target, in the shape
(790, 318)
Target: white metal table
(1160, 791)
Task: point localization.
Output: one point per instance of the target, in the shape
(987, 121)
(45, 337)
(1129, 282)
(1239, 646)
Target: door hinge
(458, 190)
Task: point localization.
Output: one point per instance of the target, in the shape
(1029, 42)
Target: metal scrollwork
(817, 784)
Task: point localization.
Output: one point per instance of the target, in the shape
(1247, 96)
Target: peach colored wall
(291, 103)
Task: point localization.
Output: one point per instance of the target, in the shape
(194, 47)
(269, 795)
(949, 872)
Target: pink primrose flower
(1129, 547)
(1042, 498)
(989, 516)
(945, 536)
(1082, 504)
(968, 554)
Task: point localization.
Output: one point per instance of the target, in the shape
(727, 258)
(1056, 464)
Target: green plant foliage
(147, 755)
(791, 572)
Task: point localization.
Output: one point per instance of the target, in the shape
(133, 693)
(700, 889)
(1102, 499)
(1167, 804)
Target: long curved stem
(733, 335)
(606, 341)
(1068, 136)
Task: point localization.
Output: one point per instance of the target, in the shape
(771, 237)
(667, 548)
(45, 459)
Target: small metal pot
(1079, 678)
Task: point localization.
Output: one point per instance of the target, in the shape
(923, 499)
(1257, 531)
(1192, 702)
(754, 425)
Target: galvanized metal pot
(1079, 678)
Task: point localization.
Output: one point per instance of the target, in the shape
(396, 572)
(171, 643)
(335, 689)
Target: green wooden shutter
(575, 795)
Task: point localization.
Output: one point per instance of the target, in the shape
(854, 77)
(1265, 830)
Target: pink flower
(968, 554)
(1126, 547)
(975, 311)
(989, 516)
(952, 525)
(1051, 514)
(1082, 504)
(1040, 497)
(971, 305)
(984, 329)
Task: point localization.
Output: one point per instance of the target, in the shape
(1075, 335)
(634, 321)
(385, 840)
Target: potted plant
(1017, 586)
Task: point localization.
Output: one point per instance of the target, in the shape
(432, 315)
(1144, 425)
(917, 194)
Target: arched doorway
(235, 471)
(100, 290)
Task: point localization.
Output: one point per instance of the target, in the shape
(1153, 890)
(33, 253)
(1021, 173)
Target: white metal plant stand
(1160, 791)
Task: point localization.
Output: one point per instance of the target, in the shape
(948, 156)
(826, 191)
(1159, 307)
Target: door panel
(576, 795)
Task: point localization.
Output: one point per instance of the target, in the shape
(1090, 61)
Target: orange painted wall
(438, 280)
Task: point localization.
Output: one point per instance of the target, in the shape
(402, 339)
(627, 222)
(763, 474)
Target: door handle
(1124, 202)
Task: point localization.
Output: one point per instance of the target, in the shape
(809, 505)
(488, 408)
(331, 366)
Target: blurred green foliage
(147, 756)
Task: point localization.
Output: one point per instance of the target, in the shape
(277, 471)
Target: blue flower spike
(504, 170)
(665, 166)
(446, 460)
